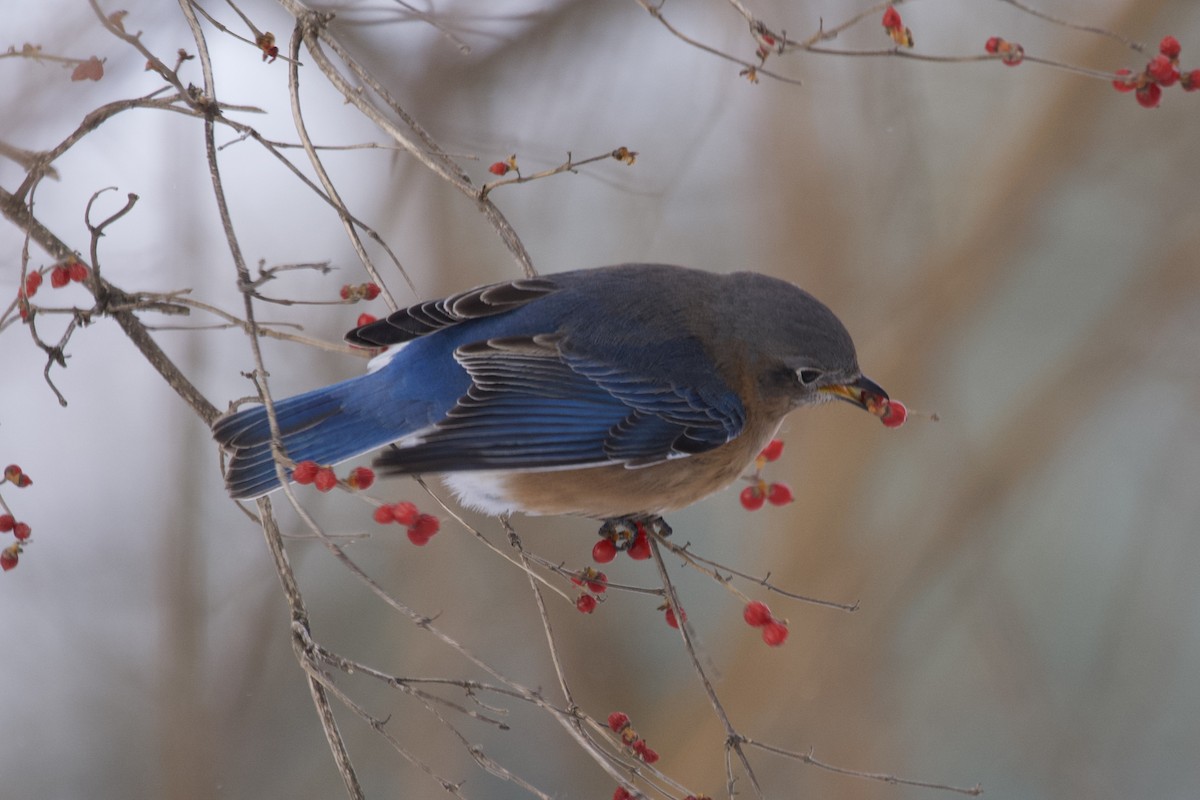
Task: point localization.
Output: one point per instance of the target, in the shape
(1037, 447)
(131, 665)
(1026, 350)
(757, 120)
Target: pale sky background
(1015, 249)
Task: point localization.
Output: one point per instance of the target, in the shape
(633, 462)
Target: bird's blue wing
(533, 404)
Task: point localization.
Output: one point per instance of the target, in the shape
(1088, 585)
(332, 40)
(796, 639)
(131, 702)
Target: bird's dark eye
(808, 376)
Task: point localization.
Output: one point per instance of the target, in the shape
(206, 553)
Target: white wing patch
(380, 361)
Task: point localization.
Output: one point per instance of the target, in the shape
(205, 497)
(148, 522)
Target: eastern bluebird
(618, 392)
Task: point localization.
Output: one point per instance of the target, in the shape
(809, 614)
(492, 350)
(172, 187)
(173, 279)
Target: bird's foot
(621, 531)
(629, 534)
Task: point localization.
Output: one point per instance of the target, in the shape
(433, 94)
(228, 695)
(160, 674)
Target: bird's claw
(622, 531)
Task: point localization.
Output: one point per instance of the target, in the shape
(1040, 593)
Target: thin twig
(330, 190)
(1130, 43)
(559, 671)
(733, 739)
(808, 758)
(750, 67)
(422, 146)
(622, 154)
(713, 570)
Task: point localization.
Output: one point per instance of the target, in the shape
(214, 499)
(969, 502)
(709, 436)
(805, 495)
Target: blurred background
(1017, 250)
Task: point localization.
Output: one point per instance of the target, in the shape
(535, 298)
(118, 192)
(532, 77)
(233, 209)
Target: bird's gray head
(807, 355)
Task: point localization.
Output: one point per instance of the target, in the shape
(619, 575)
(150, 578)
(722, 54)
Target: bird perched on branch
(618, 392)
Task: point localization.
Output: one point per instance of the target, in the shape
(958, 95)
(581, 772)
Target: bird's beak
(862, 392)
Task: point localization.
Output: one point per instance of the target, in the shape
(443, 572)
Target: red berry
(361, 478)
(8, 557)
(347, 291)
(640, 549)
(371, 290)
(78, 272)
(618, 721)
(772, 451)
(1124, 83)
(598, 583)
(60, 276)
(993, 45)
(894, 414)
(604, 551)
(32, 281)
(1190, 81)
(1013, 55)
(21, 531)
(499, 168)
(672, 620)
(426, 525)
(648, 755)
(891, 18)
(305, 472)
(774, 633)
(6, 523)
(1170, 47)
(1160, 68)
(325, 480)
(756, 614)
(383, 515)
(778, 494)
(622, 793)
(585, 603)
(364, 319)
(405, 513)
(416, 538)
(1148, 96)
(752, 497)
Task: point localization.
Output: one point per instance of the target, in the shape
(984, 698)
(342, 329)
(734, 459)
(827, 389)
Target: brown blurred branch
(416, 141)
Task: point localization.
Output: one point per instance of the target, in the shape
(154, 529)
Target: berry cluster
(759, 491)
(60, 276)
(352, 293)
(16, 476)
(421, 527)
(324, 479)
(895, 27)
(10, 555)
(1010, 53)
(618, 721)
(1160, 72)
(363, 291)
(593, 581)
(758, 615)
(70, 272)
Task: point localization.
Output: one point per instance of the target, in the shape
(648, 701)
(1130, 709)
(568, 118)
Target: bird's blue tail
(326, 425)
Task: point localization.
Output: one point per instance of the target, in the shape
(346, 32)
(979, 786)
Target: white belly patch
(481, 491)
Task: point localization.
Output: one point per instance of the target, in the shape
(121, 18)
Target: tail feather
(321, 426)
